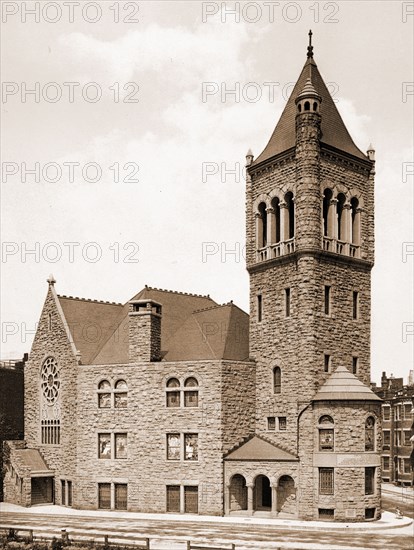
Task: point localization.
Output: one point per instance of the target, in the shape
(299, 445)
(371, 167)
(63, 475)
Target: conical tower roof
(308, 90)
(334, 132)
(342, 385)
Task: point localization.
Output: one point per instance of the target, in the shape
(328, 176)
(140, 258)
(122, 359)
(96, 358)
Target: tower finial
(310, 47)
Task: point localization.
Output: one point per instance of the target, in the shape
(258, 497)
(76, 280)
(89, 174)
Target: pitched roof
(33, 460)
(334, 132)
(342, 385)
(193, 327)
(90, 322)
(259, 448)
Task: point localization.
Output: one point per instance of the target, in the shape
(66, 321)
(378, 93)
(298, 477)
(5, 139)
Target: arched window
(356, 222)
(109, 396)
(277, 380)
(341, 217)
(307, 106)
(326, 433)
(173, 392)
(290, 225)
(262, 226)
(275, 229)
(315, 106)
(191, 392)
(174, 389)
(370, 434)
(104, 394)
(121, 395)
(327, 197)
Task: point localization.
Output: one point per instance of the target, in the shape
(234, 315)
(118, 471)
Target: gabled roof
(90, 322)
(258, 448)
(193, 327)
(342, 385)
(334, 132)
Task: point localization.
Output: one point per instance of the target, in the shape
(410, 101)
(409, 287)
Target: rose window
(50, 380)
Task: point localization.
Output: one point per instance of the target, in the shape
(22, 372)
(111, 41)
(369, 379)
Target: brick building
(174, 403)
(397, 430)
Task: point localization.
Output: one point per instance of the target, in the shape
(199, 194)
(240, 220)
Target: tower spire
(310, 47)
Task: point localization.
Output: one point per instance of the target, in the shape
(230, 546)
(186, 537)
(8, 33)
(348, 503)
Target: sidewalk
(405, 492)
(386, 523)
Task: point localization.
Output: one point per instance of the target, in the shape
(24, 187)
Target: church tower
(310, 251)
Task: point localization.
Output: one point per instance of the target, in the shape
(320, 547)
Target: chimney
(144, 330)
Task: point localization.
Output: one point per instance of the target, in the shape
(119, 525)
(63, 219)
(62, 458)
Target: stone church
(174, 403)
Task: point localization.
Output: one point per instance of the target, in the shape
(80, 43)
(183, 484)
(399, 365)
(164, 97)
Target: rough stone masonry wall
(144, 336)
(349, 460)
(238, 402)
(54, 342)
(147, 421)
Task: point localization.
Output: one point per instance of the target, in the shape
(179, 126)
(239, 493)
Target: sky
(124, 133)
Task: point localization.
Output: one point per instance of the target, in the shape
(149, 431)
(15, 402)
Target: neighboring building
(11, 404)
(172, 403)
(397, 430)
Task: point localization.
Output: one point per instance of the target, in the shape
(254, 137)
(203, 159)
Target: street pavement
(171, 532)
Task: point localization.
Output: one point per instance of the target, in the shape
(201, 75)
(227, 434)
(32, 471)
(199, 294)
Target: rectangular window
(121, 446)
(173, 498)
(104, 400)
(191, 500)
(354, 365)
(259, 308)
(327, 300)
(287, 302)
(50, 432)
(369, 513)
(326, 439)
(173, 446)
(271, 423)
(397, 412)
(386, 462)
(121, 496)
(69, 483)
(407, 410)
(387, 438)
(104, 445)
(386, 413)
(407, 466)
(326, 513)
(407, 438)
(173, 398)
(326, 481)
(190, 446)
(282, 423)
(369, 480)
(397, 438)
(355, 304)
(191, 398)
(327, 362)
(104, 496)
(63, 492)
(121, 400)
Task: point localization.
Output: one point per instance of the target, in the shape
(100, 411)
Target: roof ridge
(89, 300)
(214, 307)
(178, 292)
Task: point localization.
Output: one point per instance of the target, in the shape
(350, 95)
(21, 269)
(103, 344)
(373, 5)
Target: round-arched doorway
(262, 496)
(238, 493)
(286, 496)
